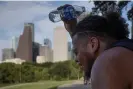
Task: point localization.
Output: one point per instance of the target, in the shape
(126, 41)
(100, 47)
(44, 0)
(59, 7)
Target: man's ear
(93, 44)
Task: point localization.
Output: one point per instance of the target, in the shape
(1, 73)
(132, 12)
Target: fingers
(64, 6)
(59, 8)
(65, 20)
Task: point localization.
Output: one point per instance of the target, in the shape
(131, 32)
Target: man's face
(85, 54)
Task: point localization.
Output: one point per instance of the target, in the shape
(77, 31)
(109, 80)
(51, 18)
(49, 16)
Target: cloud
(16, 13)
(46, 28)
(13, 15)
(88, 5)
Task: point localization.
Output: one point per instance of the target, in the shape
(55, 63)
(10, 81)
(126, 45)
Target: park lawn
(3, 85)
(38, 85)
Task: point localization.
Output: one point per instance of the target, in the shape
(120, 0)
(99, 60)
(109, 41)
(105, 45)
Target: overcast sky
(13, 15)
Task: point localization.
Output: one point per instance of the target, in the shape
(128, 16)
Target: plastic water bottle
(67, 13)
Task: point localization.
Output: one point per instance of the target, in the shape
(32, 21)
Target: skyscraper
(60, 48)
(24, 50)
(31, 25)
(7, 53)
(35, 50)
(47, 42)
(46, 52)
(14, 43)
(69, 50)
(69, 46)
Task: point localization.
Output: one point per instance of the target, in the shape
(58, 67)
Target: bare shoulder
(108, 67)
(113, 56)
(104, 62)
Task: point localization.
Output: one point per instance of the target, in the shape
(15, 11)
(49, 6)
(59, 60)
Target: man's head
(94, 34)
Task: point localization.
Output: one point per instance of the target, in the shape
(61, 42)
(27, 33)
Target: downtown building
(14, 43)
(60, 45)
(71, 55)
(35, 51)
(47, 42)
(45, 52)
(25, 45)
(70, 50)
(7, 53)
(8, 56)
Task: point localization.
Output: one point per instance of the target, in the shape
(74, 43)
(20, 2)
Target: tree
(27, 73)
(104, 7)
(60, 71)
(47, 64)
(9, 73)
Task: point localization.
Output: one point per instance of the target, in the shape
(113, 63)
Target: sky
(13, 15)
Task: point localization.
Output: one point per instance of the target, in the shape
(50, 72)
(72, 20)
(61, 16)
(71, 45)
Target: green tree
(9, 73)
(27, 73)
(60, 71)
(106, 6)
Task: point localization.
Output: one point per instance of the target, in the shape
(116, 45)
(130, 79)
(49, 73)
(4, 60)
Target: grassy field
(38, 85)
(3, 85)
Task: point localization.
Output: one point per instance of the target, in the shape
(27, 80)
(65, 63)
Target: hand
(69, 24)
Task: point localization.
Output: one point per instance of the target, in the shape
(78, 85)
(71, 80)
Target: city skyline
(15, 14)
(25, 48)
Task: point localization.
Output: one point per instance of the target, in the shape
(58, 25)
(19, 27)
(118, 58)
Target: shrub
(9, 73)
(30, 72)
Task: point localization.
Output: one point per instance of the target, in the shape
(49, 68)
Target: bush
(59, 71)
(30, 72)
(9, 73)
(45, 74)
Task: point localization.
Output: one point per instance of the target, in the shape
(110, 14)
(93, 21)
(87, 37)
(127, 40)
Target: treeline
(31, 72)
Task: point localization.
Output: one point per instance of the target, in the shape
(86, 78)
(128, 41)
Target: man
(111, 67)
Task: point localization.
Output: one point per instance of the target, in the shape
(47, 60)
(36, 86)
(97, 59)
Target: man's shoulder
(108, 70)
(109, 59)
(114, 54)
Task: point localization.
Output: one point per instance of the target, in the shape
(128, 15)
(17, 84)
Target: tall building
(69, 50)
(69, 46)
(14, 43)
(35, 51)
(31, 25)
(7, 53)
(48, 43)
(24, 50)
(46, 52)
(60, 48)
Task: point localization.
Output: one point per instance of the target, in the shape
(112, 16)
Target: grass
(38, 85)
(2, 85)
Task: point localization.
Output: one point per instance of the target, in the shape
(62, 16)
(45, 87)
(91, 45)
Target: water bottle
(67, 13)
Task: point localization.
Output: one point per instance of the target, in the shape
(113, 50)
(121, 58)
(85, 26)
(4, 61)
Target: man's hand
(69, 24)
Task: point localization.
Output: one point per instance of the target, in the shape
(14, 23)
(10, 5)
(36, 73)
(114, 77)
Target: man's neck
(106, 45)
